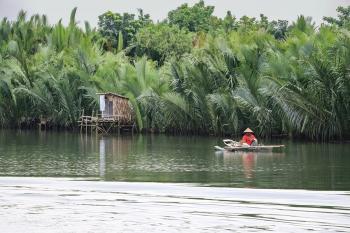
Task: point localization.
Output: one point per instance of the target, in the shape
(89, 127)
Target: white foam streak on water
(65, 205)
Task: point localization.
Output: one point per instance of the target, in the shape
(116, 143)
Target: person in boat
(248, 138)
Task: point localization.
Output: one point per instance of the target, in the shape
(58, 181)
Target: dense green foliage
(194, 19)
(192, 73)
(119, 31)
(160, 42)
(343, 19)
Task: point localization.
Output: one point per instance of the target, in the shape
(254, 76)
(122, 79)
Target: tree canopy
(120, 29)
(196, 18)
(343, 19)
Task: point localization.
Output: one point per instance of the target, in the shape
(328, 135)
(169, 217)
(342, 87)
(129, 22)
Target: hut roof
(110, 93)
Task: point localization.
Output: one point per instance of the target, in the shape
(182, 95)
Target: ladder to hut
(116, 116)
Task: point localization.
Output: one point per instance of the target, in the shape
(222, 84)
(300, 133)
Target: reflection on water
(102, 158)
(160, 158)
(117, 149)
(250, 161)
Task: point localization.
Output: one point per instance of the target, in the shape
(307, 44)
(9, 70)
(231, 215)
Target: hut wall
(108, 112)
(122, 108)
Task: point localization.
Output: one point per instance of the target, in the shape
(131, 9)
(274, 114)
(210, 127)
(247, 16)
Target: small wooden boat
(235, 146)
(248, 148)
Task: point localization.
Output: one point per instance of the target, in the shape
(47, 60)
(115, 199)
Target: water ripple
(43, 204)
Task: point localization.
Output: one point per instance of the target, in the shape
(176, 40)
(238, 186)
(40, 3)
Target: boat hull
(250, 148)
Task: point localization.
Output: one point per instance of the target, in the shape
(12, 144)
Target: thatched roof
(113, 94)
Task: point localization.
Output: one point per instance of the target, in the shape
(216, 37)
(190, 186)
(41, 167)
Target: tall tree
(343, 19)
(196, 18)
(161, 42)
(112, 24)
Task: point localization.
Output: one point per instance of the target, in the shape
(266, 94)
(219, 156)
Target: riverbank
(151, 131)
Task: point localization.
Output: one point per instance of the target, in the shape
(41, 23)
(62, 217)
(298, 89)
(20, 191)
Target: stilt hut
(115, 107)
(116, 114)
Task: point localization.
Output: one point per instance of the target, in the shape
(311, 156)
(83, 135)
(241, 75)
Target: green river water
(71, 182)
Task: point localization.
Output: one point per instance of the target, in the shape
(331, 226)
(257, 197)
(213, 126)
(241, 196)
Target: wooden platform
(105, 125)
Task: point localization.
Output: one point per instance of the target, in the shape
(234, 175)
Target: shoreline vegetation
(193, 73)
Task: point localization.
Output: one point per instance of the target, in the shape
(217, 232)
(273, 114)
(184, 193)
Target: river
(69, 182)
